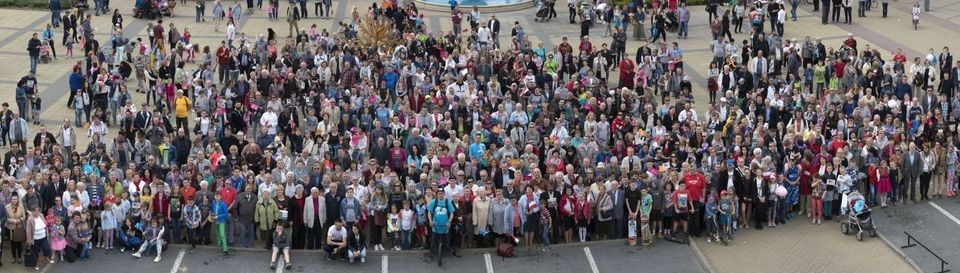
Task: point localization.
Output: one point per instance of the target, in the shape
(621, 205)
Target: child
(69, 46)
(58, 234)
(724, 212)
(710, 216)
(646, 206)
(108, 222)
(406, 225)
(270, 8)
(668, 211)
(393, 226)
(422, 221)
(545, 224)
(35, 110)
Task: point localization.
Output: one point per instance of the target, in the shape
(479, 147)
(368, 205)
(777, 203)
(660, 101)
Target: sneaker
(52, 261)
(136, 255)
(709, 240)
(288, 266)
(273, 266)
(363, 260)
(157, 260)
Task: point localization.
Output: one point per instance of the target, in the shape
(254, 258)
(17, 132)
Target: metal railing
(912, 242)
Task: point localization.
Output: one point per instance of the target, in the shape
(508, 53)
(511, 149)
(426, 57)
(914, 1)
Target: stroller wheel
(873, 233)
(844, 228)
(860, 236)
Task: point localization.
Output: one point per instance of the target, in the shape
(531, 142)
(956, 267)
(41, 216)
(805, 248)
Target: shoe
(157, 260)
(288, 266)
(363, 260)
(52, 261)
(136, 255)
(273, 266)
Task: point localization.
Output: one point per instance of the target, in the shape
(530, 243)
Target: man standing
(33, 48)
(26, 90)
(619, 219)
(245, 206)
(683, 16)
(293, 15)
(494, 26)
(223, 60)
(314, 215)
(911, 171)
(19, 132)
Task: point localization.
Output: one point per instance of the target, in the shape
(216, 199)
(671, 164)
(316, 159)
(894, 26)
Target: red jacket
(161, 205)
(582, 210)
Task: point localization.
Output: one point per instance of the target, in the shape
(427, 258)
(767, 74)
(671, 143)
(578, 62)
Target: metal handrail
(910, 238)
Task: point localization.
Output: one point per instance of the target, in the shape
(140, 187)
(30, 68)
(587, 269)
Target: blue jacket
(221, 209)
(343, 207)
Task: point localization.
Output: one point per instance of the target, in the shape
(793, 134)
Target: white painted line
(280, 264)
(385, 263)
(486, 259)
(945, 213)
(593, 263)
(176, 263)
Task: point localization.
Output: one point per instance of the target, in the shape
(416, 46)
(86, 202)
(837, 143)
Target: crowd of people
(325, 141)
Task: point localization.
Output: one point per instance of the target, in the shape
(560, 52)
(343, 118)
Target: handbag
(605, 213)
(505, 249)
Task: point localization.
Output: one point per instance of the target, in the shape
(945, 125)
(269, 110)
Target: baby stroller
(671, 22)
(858, 218)
(45, 56)
(543, 11)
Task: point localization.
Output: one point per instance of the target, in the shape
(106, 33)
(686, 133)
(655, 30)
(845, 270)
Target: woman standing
(500, 217)
(36, 231)
(480, 216)
(567, 209)
(604, 212)
(378, 206)
(297, 227)
(16, 216)
(465, 208)
(529, 204)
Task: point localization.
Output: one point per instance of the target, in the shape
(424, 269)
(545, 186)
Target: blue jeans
(545, 235)
(55, 17)
(22, 106)
(827, 208)
(246, 235)
(682, 31)
(873, 195)
(405, 239)
(33, 63)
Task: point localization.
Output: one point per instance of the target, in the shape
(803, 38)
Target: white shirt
(231, 31)
(269, 120)
(335, 234)
(67, 134)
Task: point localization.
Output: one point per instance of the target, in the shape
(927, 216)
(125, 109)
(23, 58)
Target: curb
(899, 251)
(385, 252)
(707, 266)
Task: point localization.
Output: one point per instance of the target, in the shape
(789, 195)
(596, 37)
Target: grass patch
(30, 4)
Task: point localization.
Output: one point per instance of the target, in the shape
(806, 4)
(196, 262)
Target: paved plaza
(809, 248)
